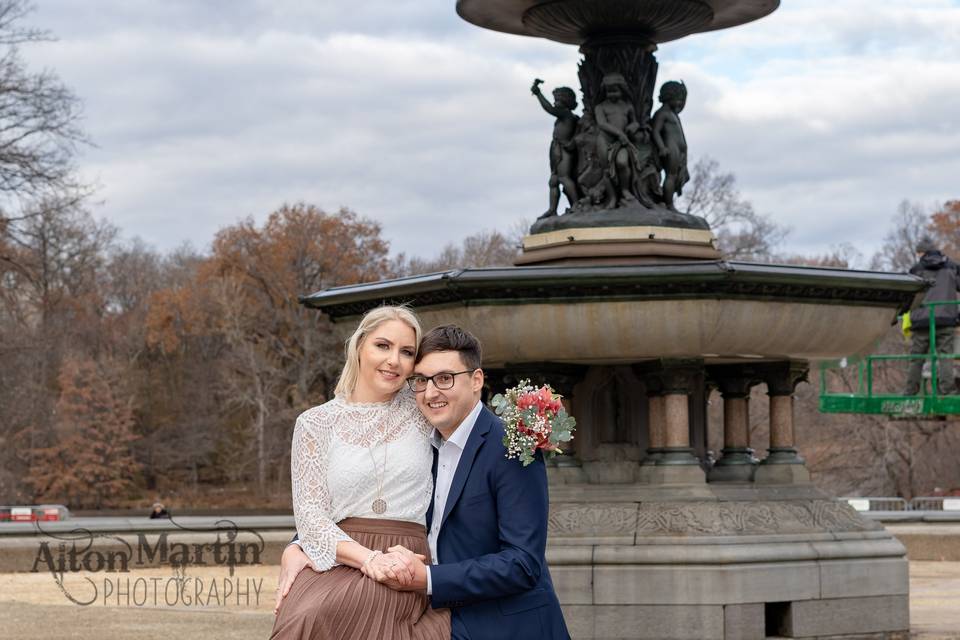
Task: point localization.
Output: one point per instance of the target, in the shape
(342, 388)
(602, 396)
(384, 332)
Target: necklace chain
(379, 505)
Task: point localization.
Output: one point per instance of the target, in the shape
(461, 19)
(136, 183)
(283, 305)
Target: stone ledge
(719, 554)
(615, 522)
(657, 622)
(612, 493)
(833, 617)
(705, 584)
(863, 578)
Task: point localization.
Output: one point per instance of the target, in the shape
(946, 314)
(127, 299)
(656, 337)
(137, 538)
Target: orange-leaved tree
(945, 227)
(278, 357)
(89, 463)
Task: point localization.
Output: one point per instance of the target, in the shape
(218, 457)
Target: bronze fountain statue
(619, 164)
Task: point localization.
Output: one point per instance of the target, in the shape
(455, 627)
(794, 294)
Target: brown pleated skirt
(344, 604)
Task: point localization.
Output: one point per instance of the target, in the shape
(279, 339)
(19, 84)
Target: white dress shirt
(448, 457)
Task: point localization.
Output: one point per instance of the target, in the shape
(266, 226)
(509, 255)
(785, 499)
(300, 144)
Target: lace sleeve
(309, 461)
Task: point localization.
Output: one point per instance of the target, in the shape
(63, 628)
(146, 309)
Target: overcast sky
(203, 112)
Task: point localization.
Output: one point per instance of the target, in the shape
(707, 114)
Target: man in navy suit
(488, 518)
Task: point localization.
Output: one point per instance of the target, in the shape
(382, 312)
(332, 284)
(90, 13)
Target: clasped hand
(399, 569)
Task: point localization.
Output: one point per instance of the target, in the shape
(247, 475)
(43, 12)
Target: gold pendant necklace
(379, 505)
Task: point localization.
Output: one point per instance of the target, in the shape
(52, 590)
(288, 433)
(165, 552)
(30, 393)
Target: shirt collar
(463, 430)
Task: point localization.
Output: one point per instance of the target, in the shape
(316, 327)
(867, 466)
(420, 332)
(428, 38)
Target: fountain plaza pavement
(32, 607)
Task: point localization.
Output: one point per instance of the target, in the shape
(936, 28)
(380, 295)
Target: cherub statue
(563, 161)
(617, 144)
(594, 184)
(670, 141)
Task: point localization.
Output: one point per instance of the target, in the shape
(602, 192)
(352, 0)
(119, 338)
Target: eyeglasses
(442, 381)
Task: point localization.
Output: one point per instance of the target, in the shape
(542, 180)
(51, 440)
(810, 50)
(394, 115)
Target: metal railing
(865, 397)
(33, 513)
(920, 503)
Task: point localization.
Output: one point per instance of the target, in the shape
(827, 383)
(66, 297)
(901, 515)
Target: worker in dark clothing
(943, 274)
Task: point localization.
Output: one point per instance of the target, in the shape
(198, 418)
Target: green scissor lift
(930, 402)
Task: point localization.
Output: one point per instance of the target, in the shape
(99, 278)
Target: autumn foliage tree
(89, 462)
(945, 227)
(742, 233)
(277, 357)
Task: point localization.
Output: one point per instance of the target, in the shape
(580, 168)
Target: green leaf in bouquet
(529, 415)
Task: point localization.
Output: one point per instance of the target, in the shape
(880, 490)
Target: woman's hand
(389, 566)
(292, 562)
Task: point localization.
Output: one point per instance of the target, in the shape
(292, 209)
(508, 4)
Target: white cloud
(829, 113)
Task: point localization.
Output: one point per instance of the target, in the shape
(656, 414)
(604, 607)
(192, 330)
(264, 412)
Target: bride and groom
(412, 522)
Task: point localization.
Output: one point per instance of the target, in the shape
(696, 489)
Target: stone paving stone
(33, 608)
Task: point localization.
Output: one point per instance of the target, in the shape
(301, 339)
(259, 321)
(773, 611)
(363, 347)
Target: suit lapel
(433, 494)
(477, 436)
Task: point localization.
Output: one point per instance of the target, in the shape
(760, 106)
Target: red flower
(542, 399)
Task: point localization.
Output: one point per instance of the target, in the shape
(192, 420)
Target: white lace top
(337, 465)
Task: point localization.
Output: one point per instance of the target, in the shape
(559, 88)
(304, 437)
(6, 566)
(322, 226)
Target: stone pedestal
(756, 551)
(722, 561)
(631, 244)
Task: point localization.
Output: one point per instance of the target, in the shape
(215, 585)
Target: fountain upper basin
(575, 21)
(716, 310)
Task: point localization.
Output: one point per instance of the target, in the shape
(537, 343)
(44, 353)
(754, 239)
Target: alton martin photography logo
(81, 553)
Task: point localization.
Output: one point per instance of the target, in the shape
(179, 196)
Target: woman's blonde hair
(373, 319)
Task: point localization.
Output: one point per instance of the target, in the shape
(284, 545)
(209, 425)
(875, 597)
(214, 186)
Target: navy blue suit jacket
(492, 570)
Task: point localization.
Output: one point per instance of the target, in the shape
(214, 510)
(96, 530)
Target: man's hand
(390, 567)
(418, 581)
(292, 562)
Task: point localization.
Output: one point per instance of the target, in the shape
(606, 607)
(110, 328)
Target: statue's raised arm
(563, 149)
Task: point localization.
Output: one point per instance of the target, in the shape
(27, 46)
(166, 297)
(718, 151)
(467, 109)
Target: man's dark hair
(450, 337)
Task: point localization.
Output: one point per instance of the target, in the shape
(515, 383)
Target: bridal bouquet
(533, 419)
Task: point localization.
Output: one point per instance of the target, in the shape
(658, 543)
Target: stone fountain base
(643, 543)
(637, 244)
(723, 561)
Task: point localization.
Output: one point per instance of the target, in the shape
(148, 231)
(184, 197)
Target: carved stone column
(676, 463)
(679, 380)
(783, 465)
(737, 462)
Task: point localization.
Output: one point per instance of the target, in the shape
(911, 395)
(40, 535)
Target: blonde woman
(361, 482)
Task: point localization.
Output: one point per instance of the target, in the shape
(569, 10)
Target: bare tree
(899, 250)
(50, 307)
(742, 233)
(39, 134)
(483, 249)
(842, 256)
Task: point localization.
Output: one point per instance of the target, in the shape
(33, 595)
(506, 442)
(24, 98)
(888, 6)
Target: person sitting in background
(943, 274)
(158, 511)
